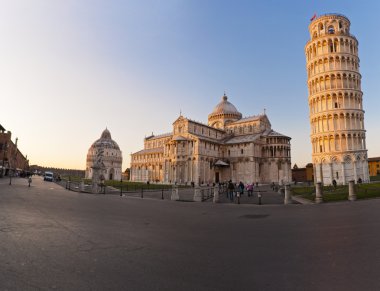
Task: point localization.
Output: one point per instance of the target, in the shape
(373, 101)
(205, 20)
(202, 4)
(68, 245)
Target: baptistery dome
(223, 113)
(105, 141)
(107, 151)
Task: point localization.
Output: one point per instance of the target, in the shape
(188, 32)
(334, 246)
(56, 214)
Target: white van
(48, 176)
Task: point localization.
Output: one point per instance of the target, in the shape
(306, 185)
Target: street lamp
(14, 164)
(5, 146)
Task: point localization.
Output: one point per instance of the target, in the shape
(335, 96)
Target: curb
(302, 200)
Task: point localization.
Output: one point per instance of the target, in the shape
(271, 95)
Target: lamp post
(121, 185)
(14, 164)
(5, 146)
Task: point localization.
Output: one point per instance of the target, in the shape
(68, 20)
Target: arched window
(331, 29)
(331, 45)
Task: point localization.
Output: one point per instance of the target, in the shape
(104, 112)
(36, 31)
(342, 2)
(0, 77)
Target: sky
(69, 69)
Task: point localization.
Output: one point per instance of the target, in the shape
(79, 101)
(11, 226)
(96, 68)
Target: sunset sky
(69, 69)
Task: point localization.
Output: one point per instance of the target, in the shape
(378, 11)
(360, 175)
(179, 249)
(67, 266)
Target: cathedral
(107, 152)
(228, 147)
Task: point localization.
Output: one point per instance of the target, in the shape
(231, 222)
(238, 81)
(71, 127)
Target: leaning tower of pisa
(335, 102)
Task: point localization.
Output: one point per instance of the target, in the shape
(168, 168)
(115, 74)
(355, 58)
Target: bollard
(197, 194)
(142, 192)
(259, 196)
(238, 197)
(287, 199)
(162, 194)
(81, 186)
(351, 191)
(318, 193)
(121, 188)
(216, 195)
(175, 195)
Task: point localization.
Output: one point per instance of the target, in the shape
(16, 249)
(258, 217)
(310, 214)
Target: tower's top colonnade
(327, 24)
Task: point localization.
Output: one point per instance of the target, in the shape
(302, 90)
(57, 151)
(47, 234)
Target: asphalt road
(53, 239)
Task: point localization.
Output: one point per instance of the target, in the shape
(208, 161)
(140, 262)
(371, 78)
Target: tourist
(250, 189)
(241, 188)
(230, 189)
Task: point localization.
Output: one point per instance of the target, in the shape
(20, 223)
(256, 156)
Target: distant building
(374, 166)
(127, 174)
(303, 174)
(309, 172)
(228, 147)
(111, 157)
(11, 157)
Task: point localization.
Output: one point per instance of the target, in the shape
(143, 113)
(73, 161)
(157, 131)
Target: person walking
(230, 189)
(250, 189)
(241, 188)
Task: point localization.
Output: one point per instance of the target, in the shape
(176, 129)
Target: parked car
(49, 176)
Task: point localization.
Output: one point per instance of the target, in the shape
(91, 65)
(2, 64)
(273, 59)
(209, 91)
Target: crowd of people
(237, 189)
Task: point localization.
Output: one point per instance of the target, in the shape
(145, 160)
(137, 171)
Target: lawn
(340, 193)
(127, 185)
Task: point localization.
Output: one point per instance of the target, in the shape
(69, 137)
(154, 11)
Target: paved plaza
(54, 239)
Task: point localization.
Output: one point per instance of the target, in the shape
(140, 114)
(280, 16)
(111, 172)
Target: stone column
(186, 178)
(197, 175)
(343, 175)
(365, 170)
(351, 190)
(287, 199)
(204, 171)
(318, 193)
(197, 194)
(191, 170)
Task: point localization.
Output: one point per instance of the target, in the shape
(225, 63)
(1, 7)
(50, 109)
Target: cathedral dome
(105, 141)
(225, 107)
(224, 113)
